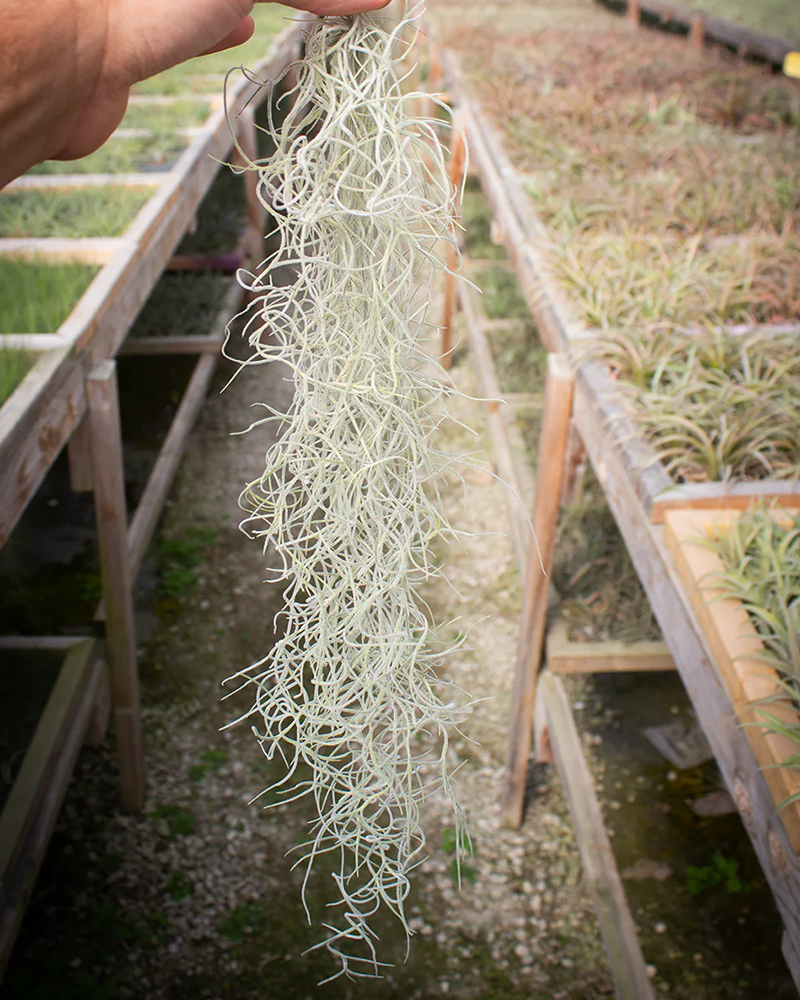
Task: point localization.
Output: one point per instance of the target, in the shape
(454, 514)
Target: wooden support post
(457, 159)
(109, 495)
(697, 31)
(79, 456)
(635, 12)
(617, 928)
(549, 475)
(574, 469)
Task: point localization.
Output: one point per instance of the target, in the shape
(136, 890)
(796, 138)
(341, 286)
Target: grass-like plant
(712, 407)
(761, 555)
(14, 366)
(349, 696)
(100, 211)
(122, 155)
(36, 297)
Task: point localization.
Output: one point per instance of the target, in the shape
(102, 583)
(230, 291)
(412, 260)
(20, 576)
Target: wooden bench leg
(79, 456)
(457, 161)
(549, 476)
(109, 499)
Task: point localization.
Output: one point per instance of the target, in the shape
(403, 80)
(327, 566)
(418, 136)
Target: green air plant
(761, 556)
(349, 693)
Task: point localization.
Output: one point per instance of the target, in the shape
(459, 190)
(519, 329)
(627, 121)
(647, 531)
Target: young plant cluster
(712, 406)
(349, 697)
(761, 555)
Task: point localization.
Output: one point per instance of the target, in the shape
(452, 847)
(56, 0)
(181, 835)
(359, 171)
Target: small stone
(651, 971)
(660, 928)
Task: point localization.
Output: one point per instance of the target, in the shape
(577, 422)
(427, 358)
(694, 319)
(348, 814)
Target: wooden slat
(32, 435)
(55, 182)
(737, 648)
(567, 657)
(60, 249)
(35, 342)
(79, 456)
(200, 344)
(109, 503)
(731, 495)
(35, 798)
(617, 928)
(34, 643)
(549, 474)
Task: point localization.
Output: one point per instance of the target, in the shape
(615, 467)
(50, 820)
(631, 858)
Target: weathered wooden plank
(35, 423)
(200, 344)
(109, 500)
(58, 249)
(35, 798)
(41, 642)
(738, 650)
(695, 663)
(56, 182)
(566, 657)
(79, 456)
(550, 471)
(36, 342)
(617, 928)
(458, 154)
(729, 495)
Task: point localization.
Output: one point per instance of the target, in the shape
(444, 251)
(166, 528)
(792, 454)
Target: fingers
(240, 34)
(334, 7)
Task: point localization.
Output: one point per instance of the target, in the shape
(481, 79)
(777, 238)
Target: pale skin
(67, 66)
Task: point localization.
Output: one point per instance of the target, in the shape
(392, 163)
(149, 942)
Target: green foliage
(179, 557)
(712, 407)
(182, 304)
(178, 886)
(761, 555)
(196, 772)
(502, 296)
(122, 155)
(95, 211)
(460, 872)
(36, 297)
(180, 822)
(721, 871)
(242, 920)
(476, 218)
(164, 118)
(214, 757)
(14, 366)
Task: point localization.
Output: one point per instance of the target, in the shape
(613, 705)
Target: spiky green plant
(761, 556)
(712, 406)
(350, 691)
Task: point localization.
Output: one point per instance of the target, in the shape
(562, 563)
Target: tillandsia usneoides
(349, 693)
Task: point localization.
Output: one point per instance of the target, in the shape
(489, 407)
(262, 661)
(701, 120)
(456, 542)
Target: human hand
(68, 67)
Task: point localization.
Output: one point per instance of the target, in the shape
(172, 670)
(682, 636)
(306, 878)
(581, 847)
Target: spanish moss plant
(350, 695)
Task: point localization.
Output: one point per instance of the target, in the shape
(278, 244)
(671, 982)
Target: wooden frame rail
(30, 812)
(702, 28)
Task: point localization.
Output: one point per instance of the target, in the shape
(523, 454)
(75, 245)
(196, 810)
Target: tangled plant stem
(361, 201)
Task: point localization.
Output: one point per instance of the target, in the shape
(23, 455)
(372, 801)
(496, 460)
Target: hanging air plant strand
(349, 696)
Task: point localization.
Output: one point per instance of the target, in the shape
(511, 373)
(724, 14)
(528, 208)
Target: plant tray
(737, 649)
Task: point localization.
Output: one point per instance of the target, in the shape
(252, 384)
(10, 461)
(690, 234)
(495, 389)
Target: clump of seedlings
(761, 555)
(349, 698)
(712, 406)
(37, 296)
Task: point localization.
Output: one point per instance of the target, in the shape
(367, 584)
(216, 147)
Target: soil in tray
(36, 297)
(206, 73)
(95, 211)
